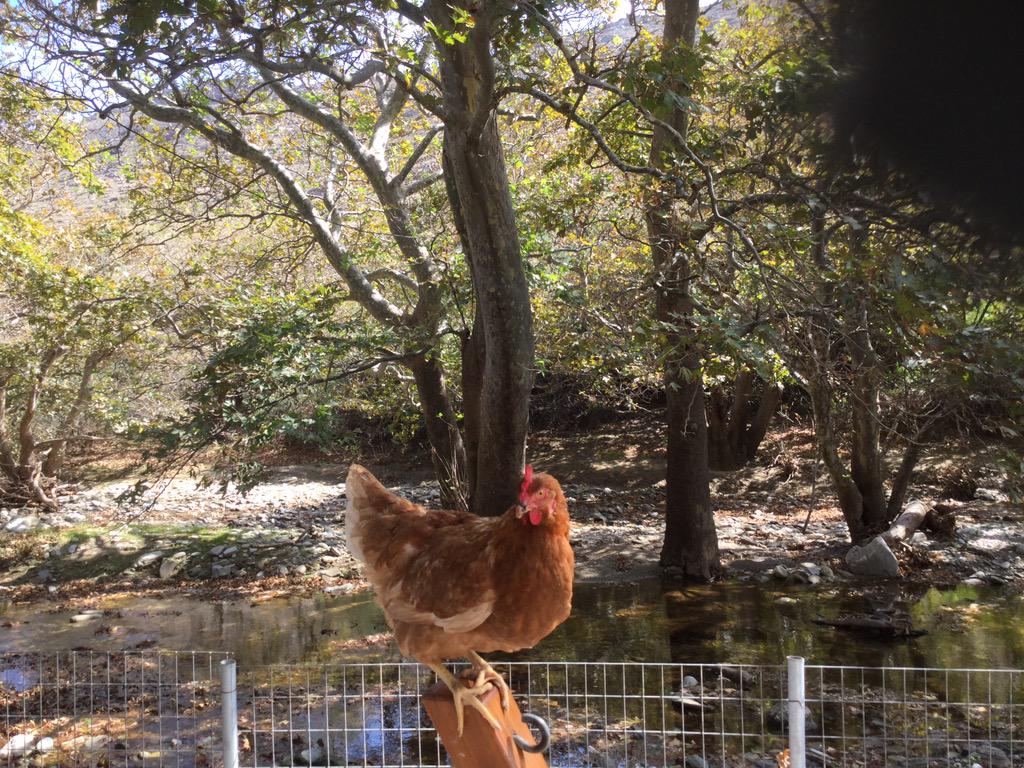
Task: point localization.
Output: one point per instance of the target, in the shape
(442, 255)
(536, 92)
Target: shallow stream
(734, 623)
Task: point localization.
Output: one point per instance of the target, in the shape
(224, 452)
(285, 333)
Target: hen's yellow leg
(461, 695)
(487, 672)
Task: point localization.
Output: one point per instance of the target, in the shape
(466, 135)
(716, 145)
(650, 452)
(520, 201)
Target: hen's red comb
(527, 479)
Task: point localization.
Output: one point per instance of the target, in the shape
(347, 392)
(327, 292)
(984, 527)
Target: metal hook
(540, 724)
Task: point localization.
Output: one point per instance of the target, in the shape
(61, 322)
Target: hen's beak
(520, 508)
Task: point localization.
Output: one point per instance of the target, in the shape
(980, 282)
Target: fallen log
(909, 521)
(876, 625)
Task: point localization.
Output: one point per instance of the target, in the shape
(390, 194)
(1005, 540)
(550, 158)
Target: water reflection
(736, 623)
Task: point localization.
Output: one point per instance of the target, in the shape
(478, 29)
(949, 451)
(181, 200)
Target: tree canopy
(260, 218)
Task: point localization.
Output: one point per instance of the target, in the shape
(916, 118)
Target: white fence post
(229, 712)
(797, 711)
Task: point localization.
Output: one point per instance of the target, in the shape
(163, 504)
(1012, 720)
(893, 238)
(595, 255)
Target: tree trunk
(851, 502)
(472, 382)
(867, 466)
(690, 540)
(8, 461)
(736, 428)
(23, 468)
(446, 449)
(767, 407)
(737, 420)
(54, 461)
(477, 178)
(717, 415)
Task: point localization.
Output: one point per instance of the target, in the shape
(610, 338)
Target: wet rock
(173, 565)
(873, 559)
(778, 715)
(339, 589)
(315, 755)
(684, 702)
(690, 682)
(695, 761)
(80, 618)
(988, 755)
(811, 569)
(216, 551)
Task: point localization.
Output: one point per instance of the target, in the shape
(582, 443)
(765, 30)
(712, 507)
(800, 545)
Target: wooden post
(481, 746)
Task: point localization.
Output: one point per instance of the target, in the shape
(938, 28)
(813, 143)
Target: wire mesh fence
(599, 713)
(149, 708)
(915, 717)
(164, 709)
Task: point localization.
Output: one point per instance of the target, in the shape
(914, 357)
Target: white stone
(23, 524)
(148, 559)
(873, 559)
(173, 565)
(87, 743)
(19, 745)
(218, 571)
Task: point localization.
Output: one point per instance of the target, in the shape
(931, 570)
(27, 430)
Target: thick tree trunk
(446, 448)
(690, 540)
(737, 426)
(472, 382)
(866, 465)
(478, 181)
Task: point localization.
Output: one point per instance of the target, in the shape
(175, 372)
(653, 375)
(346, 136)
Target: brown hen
(452, 584)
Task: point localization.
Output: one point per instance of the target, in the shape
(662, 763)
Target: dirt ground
(777, 519)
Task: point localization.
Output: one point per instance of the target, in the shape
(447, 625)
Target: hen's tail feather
(358, 489)
(368, 499)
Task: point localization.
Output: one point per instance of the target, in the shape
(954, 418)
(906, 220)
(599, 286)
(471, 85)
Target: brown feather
(450, 582)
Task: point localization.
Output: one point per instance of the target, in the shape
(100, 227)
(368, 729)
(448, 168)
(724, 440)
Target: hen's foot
(486, 672)
(461, 696)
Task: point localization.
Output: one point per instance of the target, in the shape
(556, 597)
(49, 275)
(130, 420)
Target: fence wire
(163, 709)
(150, 708)
(600, 714)
(915, 717)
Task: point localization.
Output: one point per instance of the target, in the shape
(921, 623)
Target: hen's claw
(487, 672)
(461, 695)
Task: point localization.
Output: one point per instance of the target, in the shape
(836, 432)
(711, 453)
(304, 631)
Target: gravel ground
(288, 534)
